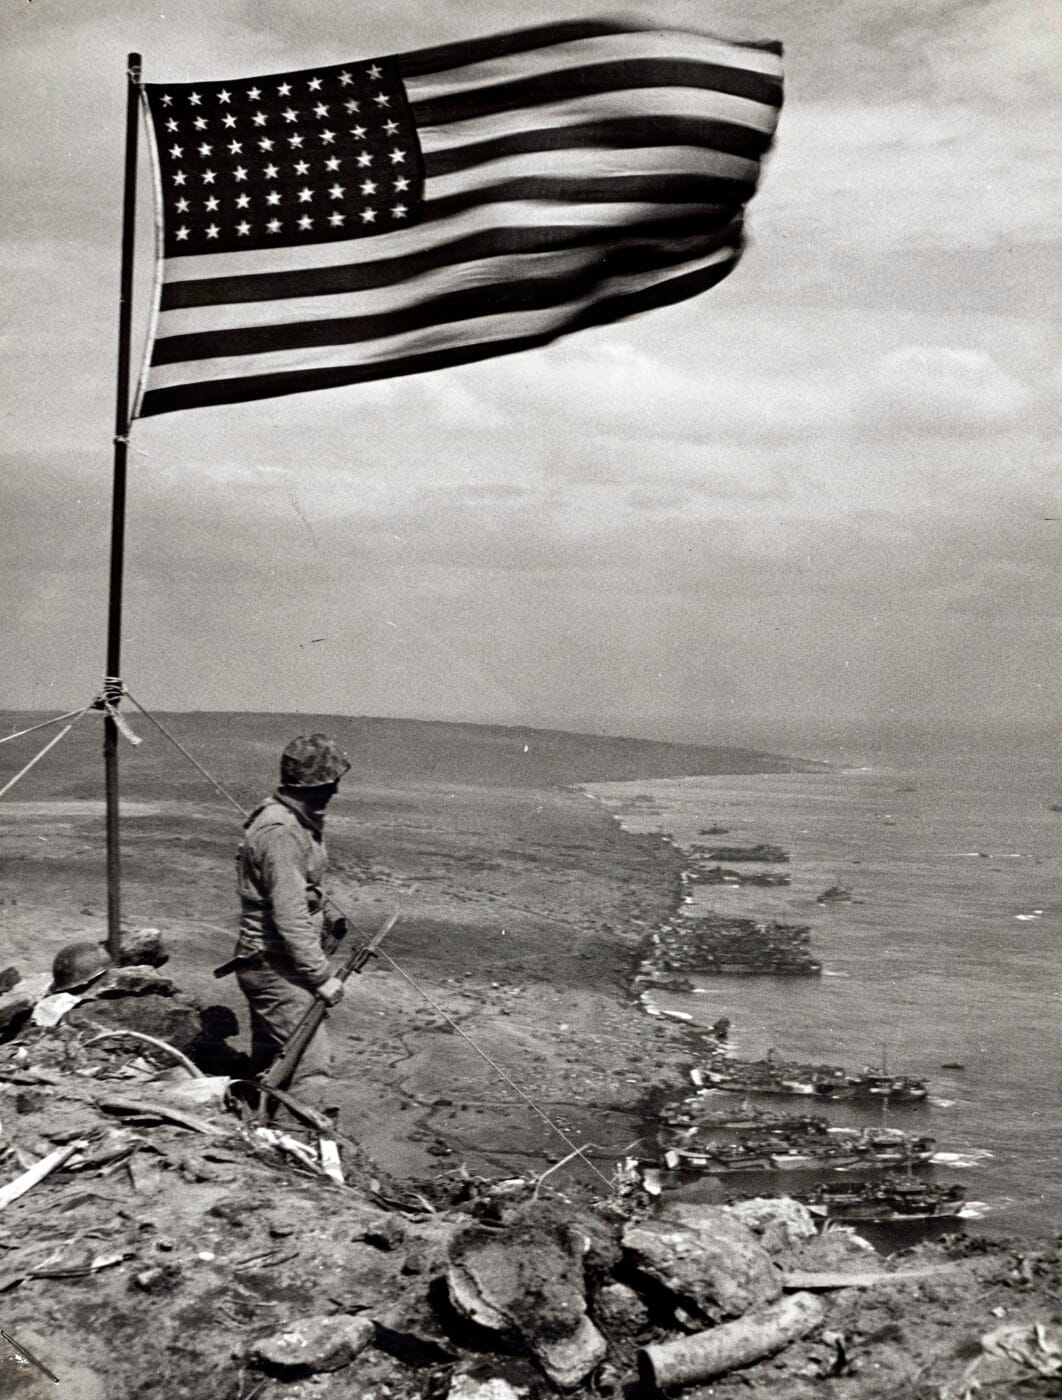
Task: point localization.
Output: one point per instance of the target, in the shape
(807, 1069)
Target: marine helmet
(77, 965)
(312, 760)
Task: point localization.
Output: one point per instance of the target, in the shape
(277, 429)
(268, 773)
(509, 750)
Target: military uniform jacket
(279, 867)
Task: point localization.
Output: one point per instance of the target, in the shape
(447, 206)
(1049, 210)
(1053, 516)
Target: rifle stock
(283, 1067)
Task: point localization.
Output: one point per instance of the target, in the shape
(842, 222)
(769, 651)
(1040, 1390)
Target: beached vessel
(896, 1199)
(832, 1149)
(877, 1085)
(774, 1076)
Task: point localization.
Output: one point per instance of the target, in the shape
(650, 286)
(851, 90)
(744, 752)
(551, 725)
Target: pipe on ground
(688, 1360)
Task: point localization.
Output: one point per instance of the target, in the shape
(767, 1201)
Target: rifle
(282, 1068)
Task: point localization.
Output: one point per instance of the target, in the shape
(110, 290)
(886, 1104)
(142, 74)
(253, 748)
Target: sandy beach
(524, 908)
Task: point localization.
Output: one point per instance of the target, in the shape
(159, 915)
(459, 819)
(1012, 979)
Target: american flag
(391, 216)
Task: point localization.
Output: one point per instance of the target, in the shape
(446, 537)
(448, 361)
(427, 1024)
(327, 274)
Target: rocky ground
(174, 1258)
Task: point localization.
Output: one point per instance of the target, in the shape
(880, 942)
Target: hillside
(241, 750)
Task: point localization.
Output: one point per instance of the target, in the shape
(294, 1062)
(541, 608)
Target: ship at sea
(893, 1199)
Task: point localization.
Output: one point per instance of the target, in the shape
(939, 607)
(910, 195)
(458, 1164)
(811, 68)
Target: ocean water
(951, 950)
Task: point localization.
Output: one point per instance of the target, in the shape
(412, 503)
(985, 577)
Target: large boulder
(779, 1224)
(525, 1281)
(710, 1263)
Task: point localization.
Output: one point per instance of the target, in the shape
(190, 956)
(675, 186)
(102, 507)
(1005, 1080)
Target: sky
(820, 497)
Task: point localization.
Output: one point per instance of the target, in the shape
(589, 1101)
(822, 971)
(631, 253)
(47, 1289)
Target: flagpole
(112, 685)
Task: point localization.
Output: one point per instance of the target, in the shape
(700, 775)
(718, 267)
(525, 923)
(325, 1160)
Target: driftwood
(148, 1108)
(688, 1360)
(798, 1280)
(29, 1178)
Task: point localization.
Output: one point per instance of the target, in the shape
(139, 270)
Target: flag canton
(286, 160)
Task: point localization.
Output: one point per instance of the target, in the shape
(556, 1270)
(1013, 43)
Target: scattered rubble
(152, 1235)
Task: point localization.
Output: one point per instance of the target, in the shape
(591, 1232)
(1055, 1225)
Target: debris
(1036, 1345)
(181, 1059)
(330, 1164)
(50, 1010)
(313, 1345)
(620, 1311)
(1012, 1356)
(29, 1178)
(16, 1005)
(525, 1280)
(208, 1090)
(292, 1146)
(796, 1279)
(145, 1108)
(158, 1278)
(688, 1360)
(705, 1257)
(467, 1387)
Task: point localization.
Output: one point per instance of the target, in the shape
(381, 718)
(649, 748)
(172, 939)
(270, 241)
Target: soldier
(279, 962)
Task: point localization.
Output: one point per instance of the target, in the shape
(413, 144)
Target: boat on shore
(877, 1085)
(811, 1146)
(895, 1199)
(774, 1076)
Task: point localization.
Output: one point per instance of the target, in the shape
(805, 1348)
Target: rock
(779, 1224)
(158, 1278)
(526, 1281)
(620, 1310)
(135, 981)
(465, 1387)
(709, 1261)
(313, 1345)
(30, 1101)
(170, 1018)
(380, 1228)
(16, 1005)
(142, 946)
(9, 978)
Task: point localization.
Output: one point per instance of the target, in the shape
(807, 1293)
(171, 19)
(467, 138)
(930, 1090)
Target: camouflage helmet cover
(312, 760)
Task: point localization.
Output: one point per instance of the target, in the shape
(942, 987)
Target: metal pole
(112, 678)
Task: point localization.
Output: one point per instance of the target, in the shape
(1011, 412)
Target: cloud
(938, 390)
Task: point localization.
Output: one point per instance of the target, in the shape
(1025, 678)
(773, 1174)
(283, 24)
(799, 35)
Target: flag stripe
(649, 105)
(411, 242)
(509, 335)
(673, 189)
(617, 133)
(575, 166)
(470, 248)
(442, 57)
(567, 59)
(445, 57)
(627, 74)
(531, 263)
(543, 182)
(569, 276)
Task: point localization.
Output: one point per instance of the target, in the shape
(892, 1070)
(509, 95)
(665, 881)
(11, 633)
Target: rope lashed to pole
(37, 758)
